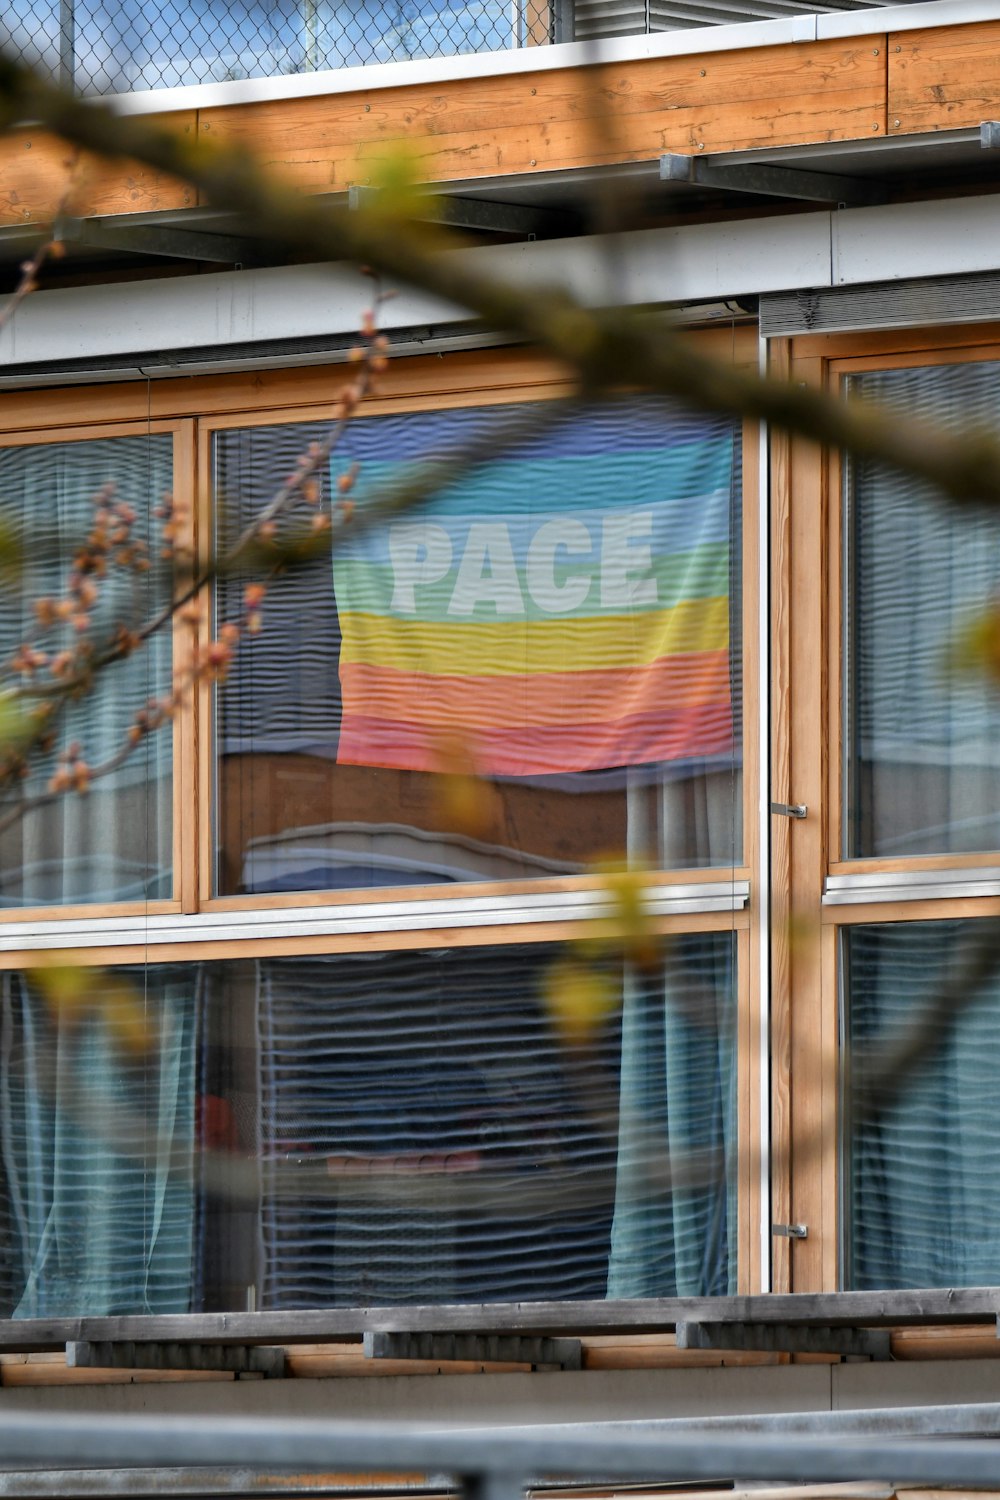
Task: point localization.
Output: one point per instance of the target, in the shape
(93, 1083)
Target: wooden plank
(749, 1144)
(888, 349)
(836, 1309)
(479, 377)
(185, 781)
(780, 790)
(819, 91)
(660, 1352)
(807, 687)
(943, 78)
(956, 908)
(332, 1361)
(460, 378)
(37, 170)
(143, 951)
(945, 1343)
(972, 864)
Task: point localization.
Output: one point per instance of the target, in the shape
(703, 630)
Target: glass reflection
(540, 669)
(115, 843)
(373, 1129)
(921, 738)
(922, 1167)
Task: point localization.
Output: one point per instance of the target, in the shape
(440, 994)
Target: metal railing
(495, 1463)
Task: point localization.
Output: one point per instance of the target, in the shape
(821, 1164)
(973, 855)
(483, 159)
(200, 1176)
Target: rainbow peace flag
(564, 608)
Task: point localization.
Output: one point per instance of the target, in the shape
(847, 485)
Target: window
(921, 770)
(921, 1199)
(892, 729)
(292, 1065)
(116, 843)
(367, 1129)
(564, 622)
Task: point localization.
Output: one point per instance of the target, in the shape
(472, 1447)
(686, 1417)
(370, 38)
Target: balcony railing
(143, 1455)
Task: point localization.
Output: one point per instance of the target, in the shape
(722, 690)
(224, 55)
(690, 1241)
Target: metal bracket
(479, 215)
(240, 1359)
(770, 180)
(786, 1338)
(159, 240)
(791, 1231)
(789, 809)
(477, 1348)
(989, 135)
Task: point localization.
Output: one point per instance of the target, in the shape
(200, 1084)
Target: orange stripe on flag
(544, 699)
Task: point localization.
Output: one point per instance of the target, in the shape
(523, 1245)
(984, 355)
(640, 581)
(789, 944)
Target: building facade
(499, 946)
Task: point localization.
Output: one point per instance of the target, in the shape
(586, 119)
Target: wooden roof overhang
(516, 154)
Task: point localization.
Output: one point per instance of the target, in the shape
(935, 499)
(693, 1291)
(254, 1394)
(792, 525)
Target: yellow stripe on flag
(515, 647)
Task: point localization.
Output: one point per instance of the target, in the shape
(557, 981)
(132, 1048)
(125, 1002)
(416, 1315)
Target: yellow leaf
(11, 553)
(631, 922)
(578, 996)
(64, 987)
(71, 992)
(124, 1012)
(976, 647)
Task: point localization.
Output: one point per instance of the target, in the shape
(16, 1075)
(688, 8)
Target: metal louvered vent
(594, 19)
(882, 304)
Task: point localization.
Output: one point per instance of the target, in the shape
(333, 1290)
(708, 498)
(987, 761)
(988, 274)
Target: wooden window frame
(196, 408)
(183, 789)
(807, 751)
(420, 398)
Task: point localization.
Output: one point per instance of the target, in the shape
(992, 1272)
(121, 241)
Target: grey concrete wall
(551, 1397)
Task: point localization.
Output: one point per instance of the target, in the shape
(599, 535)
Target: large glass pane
(97, 1081)
(563, 625)
(922, 1160)
(921, 740)
(113, 842)
(375, 1129)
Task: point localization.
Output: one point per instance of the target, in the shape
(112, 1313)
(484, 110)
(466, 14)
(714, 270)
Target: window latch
(791, 1231)
(789, 809)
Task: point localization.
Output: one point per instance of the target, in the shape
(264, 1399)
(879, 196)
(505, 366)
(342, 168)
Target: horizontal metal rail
(492, 1463)
(977, 1419)
(181, 1480)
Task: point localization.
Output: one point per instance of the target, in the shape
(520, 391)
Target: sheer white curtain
(923, 738)
(114, 843)
(97, 1152)
(674, 1228)
(923, 1174)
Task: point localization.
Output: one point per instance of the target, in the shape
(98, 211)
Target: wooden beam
(36, 170)
(943, 78)
(938, 78)
(570, 117)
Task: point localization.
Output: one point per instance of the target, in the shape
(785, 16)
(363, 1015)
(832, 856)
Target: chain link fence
(116, 46)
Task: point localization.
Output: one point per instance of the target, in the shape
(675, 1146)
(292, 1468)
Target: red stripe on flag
(540, 750)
